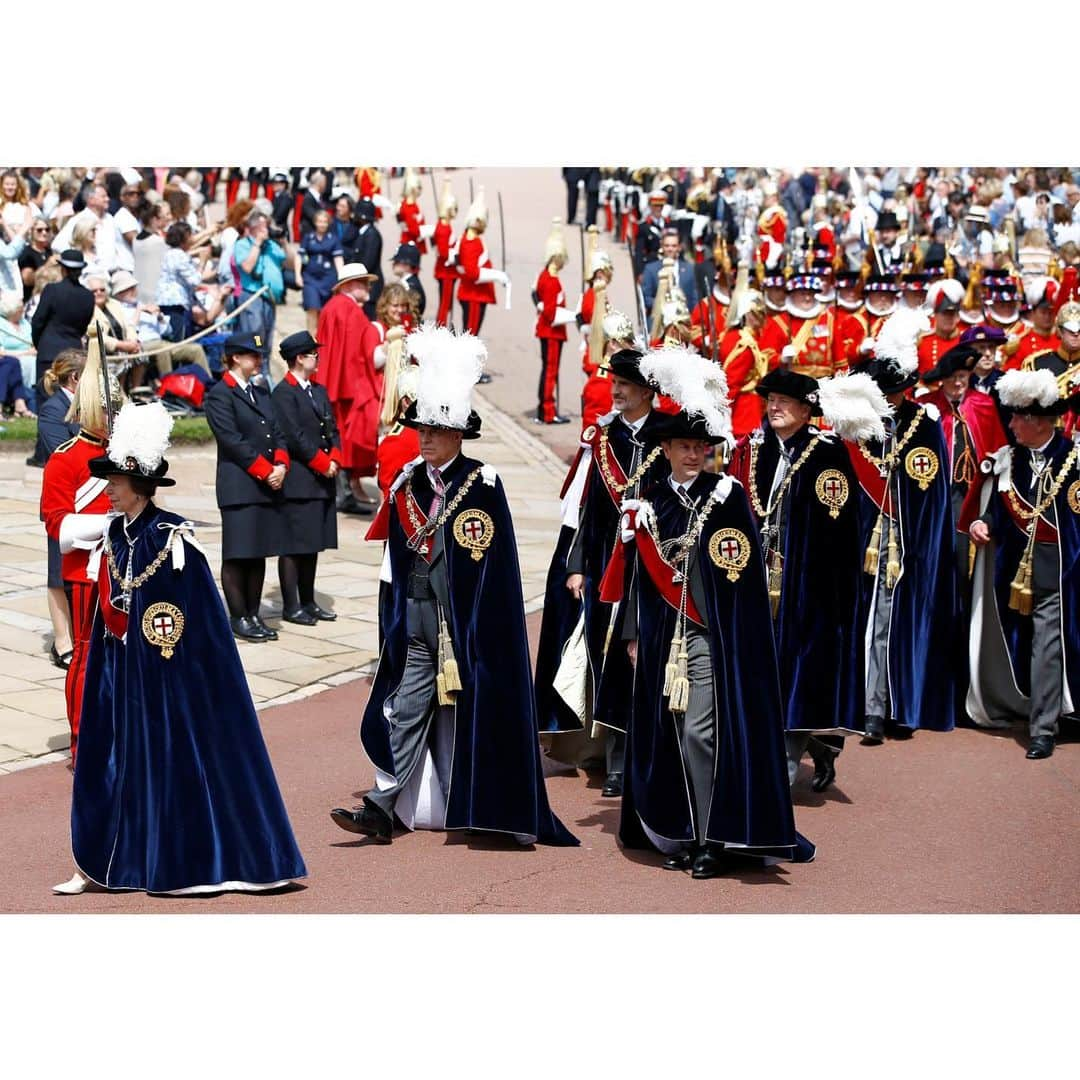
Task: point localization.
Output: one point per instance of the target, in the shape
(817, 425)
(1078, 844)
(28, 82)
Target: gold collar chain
(130, 585)
(639, 472)
(681, 546)
(1043, 504)
(888, 462)
(766, 512)
(423, 531)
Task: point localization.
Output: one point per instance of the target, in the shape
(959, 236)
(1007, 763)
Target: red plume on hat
(1067, 290)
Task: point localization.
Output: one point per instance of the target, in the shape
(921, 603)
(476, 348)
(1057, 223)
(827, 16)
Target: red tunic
(411, 218)
(852, 328)
(703, 321)
(745, 363)
(68, 488)
(369, 187)
(550, 296)
(399, 446)
(1028, 342)
(816, 351)
(347, 370)
(443, 240)
(595, 398)
(472, 258)
(932, 347)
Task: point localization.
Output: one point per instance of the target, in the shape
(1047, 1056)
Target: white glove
(380, 357)
(383, 203)
(563, 316)
(697, 227)
(427, 231)
(788, 354)
(488, 274)
(866, 345)
(82, 531)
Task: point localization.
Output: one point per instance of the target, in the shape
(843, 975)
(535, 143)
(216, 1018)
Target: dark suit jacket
(412, 283)
(650, 280)
(307, 426)
(60, 320)
(53, 429)
(244, 433)
(368, 250)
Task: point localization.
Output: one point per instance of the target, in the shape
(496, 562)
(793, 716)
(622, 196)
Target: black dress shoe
(35, 463)
(61, 660)
(1042, 746)
(484, 379)
(350, 505)
(875, 731)
(247, 629)
(301, 616)
(708, 864)
(902, 731)
(368, 821)
(612, 785)
(679, 861)
(560, 420)
(321, 614)
(824, 773)
(270, 635)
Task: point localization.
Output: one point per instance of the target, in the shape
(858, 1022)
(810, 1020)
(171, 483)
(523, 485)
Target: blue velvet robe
(750, 807)
(1009, 544)
(610, 674)
(926, 646)
(173, 787)
(817, 630)
(497, 781)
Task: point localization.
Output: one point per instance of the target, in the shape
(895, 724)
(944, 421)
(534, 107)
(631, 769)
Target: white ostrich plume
(1021, 389)
(898, 338)
(448, 372)
(853, 406)
(141, 432)
(425, 339)
(698, 385)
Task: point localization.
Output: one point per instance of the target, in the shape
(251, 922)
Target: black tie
(250, 393)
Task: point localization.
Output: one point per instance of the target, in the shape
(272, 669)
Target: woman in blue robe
(174, 791)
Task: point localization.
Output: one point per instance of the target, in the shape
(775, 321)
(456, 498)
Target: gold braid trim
(1044, 504)
(136, 582)
(765, 512)
(639, 472)
(892, 459)
(424, 531)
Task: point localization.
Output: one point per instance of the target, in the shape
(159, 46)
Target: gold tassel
(776, 574)
(971, 560)
(671, 668)
(870, 559)
(679, 699)
(1020, 596)
(450, 674)
(892, 567)
(440, 685)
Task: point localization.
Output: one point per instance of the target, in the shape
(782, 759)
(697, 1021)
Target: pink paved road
(943, 823)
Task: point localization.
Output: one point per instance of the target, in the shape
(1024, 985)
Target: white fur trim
(488, 475)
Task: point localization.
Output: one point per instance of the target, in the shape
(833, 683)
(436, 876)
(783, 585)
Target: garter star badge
(921, 465)
(730, 550)
(162, 625)
(474, 530)
(832, 490)
(1073, 496)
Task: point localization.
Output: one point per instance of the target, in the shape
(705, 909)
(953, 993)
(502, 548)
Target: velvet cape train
(496, 781)
(610, 673)
(817, 631)
(750, 809)
(926, 647)
(1008, 547)
(174, 788)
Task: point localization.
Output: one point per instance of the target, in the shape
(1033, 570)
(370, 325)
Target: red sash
(401, 502)
(870, 478)
(115, 620)
(1045, 533)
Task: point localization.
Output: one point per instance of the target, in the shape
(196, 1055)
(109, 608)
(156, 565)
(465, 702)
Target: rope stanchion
(129, 361)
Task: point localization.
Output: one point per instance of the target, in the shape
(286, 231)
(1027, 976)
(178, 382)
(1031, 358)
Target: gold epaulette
(1028, 363)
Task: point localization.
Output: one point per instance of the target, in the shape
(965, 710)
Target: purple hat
(980, 335)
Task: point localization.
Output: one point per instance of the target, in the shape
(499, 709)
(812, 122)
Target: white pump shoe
(78, 884)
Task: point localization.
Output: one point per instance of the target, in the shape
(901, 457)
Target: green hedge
(187, 431)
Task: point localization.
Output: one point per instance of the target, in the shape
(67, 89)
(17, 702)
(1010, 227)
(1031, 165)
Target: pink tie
(440, 491)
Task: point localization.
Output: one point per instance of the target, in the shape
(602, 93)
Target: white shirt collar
(304, 383)
(1042, 449)
(442, 468)
(240, 381)
(676, 486)
(634, 425)
(70, 396)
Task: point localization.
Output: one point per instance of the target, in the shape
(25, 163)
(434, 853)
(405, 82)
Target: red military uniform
(411, 218)
(745, 364)
(773, 224)
(445, 271)
(775, 334)
(552, 335)
(398, 446)
(68, 492)
(933, 346)
(1027, 342)
(703, 320)
(586, 310)
(817, 352)
(369, 184)
(472, 257)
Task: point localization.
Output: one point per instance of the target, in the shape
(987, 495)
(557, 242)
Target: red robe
(979, 414)
(745, 362)
(399, 445)
(472, 258)
(411, 218)
(347, 370)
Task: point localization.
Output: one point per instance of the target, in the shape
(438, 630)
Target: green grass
(188, 431)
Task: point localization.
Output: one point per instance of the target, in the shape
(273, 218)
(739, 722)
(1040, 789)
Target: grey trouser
(877, 670)
(697, 728)
(800, 742)
(615, 750)
(413, 704)
(1047, 676)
